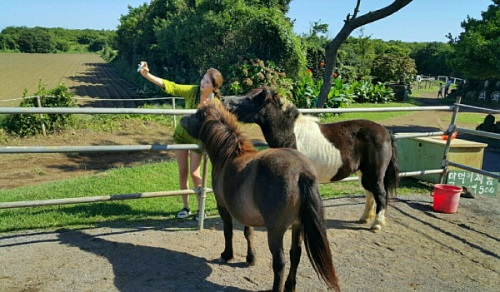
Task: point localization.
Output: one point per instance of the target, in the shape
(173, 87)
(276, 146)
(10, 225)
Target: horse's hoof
(251, 261)
(362, 221)
(289, 285)
(226, 258)
(376, 228)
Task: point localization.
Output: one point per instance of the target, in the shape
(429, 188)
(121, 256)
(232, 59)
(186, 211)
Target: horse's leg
(375, 190)
(275, 242)
(295, 253)
(227, 222)
(380, 196)
(368, 213)
(248, 231)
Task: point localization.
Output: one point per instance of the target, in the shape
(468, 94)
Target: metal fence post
(39, 104)
(449, 132)
(202, 194)
(175, 117)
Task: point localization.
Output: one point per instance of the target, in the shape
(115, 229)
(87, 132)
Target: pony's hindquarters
(314, 231)
(391, 178)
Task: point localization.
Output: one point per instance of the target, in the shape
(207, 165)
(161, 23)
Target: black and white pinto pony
(336, 149)
(275, 188)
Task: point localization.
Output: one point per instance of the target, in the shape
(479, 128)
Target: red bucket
(446, 198)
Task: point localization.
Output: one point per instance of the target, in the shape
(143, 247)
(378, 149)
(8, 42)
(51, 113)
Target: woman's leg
(182, 164)
(196, 177)
(195, 170)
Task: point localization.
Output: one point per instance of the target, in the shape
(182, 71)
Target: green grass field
(87, 75)
(149, 177)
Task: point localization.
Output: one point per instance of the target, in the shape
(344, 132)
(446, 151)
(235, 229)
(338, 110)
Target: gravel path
(419, 250)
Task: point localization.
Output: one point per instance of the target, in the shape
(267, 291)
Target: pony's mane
(221, 132)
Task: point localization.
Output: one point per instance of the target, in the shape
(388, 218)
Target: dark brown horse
(336, 149)
(275, 188)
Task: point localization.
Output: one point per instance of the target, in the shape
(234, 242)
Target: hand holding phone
(140, 66)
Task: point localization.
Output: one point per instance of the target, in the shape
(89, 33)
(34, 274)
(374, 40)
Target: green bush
(365, 91)
(340, 95)
(306, 90)
(251, 74)
(31, 124)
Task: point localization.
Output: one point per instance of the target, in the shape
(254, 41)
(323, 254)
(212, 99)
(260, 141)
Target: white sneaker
(198, 216)
(183, 213)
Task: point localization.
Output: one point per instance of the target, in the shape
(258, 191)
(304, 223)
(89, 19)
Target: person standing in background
(440, 90)
(188, 161)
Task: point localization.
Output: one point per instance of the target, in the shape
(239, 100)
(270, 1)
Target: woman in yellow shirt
(193, 95)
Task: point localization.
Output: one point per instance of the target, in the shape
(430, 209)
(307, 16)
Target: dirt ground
(419, 249)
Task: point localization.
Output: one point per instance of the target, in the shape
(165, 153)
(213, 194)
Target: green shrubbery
(367, 92)
(250, 74)
(31, 124)
(306, 90)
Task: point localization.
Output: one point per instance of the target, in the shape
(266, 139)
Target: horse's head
(209, 116)
(217, 129)
(193, 123)
(251, 107)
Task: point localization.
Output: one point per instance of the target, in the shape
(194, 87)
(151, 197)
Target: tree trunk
(350, 24)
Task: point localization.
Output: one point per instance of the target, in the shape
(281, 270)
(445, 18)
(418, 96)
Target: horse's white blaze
(310, 141)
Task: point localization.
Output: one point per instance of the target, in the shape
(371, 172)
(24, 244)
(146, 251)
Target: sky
(419, 21)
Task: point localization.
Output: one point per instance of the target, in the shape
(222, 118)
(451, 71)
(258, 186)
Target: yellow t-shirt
(189, 93)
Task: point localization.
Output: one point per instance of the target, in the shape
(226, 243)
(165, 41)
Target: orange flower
(322, 64)
(335, 75)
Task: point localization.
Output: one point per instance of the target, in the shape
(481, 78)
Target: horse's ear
(256, 93)
(260, 95)
(275, 98)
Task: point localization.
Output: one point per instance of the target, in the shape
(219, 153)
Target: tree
(432, 58)
(7, 43)
(393, 67)
(181, 39)
(476, 50)
(50, 40)
(36, 40)
(350, 24)
(313, 45)
(128, 35)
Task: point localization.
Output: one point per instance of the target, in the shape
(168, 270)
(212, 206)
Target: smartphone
(141, 65)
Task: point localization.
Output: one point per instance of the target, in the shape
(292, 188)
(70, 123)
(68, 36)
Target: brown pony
(337, 150)
(275, 188)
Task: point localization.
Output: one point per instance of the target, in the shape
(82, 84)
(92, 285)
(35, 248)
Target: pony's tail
(314, 231)
(391, 179)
